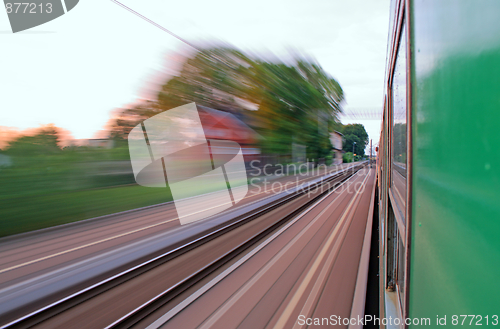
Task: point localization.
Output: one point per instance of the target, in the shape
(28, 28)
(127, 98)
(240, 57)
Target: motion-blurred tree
(292, 102)
(128, 118)
(291, 99)
(213, 77)
(44, 142)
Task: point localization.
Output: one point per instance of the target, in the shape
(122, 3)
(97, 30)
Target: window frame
(402, 221)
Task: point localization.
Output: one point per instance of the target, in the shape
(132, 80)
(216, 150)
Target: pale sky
(76, 69)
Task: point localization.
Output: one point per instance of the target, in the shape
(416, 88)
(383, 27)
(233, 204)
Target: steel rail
(124, 321)
(285, 223)
(84, 294)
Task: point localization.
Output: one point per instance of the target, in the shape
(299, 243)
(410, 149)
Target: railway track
(125, 299)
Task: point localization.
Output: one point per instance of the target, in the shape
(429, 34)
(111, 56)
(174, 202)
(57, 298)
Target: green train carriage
(439, 165)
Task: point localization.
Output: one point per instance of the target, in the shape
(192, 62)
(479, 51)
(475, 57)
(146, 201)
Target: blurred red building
(226, 126)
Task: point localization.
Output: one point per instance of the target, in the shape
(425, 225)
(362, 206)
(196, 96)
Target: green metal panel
(455, 247)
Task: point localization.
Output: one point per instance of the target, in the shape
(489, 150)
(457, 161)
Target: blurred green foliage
(347, 157)
(355, 133)
(39, 210)
(293, 101)
(44, 185)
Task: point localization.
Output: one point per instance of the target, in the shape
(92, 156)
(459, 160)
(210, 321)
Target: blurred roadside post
(354, 143)
(370, 153)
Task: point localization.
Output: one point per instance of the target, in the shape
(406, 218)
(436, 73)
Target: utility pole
(354, 143)
(370, 153)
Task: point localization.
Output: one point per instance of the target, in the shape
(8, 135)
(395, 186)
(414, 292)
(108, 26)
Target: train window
(399, 162)
(396, 256)
(392, 238)
(400, 277)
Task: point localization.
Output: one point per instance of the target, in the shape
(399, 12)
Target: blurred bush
(42, 184)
